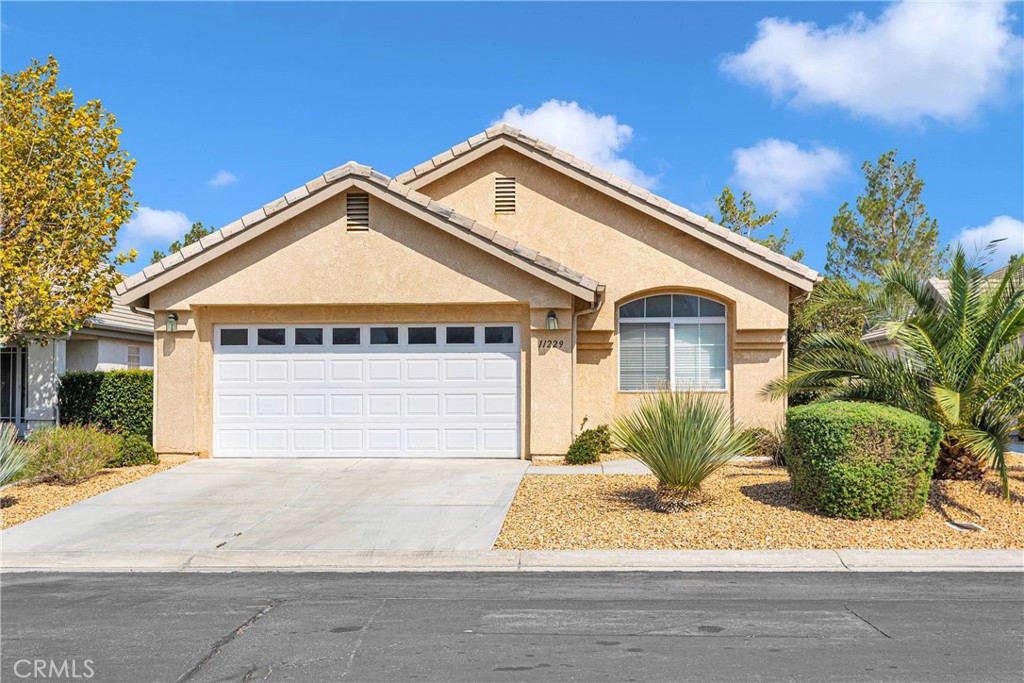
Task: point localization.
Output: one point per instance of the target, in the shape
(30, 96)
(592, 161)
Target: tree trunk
(956, 462)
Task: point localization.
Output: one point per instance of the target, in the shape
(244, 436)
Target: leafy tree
(63, 196)
(959, 361)
(742, 217)
(197, 232)
(891, 226)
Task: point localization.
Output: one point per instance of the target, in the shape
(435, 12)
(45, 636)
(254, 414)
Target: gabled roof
(120, 318)
(503, 135)
(332, 183)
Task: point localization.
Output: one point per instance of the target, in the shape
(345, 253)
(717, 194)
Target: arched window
(672, 342)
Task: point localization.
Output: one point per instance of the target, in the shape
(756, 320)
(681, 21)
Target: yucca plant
(682, 439)
(14, 453)
(959, 361)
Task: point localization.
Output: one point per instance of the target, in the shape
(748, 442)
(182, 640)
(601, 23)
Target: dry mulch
(605, 457)
(751, 507)
(22, 502)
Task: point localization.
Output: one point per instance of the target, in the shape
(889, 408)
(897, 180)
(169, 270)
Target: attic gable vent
(504, 195)
(357, 211)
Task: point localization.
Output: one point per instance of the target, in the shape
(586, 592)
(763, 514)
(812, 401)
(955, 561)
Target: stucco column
(550, 382)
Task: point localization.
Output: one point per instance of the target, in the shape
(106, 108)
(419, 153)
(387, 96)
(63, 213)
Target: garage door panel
(308, 371)
(345, 400)
(384, 369)
(348, 370)
(350, 405)
(232, 370)
(309, 405)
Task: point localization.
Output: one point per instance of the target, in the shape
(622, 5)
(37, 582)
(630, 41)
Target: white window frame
(364, 345)
(136, 351)
(672, 322)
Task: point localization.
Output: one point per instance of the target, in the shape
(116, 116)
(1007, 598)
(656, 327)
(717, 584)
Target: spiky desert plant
(958, 361)
(14, 453)
(682, 439)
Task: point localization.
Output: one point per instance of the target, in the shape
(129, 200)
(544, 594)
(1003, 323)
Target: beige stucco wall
(312, 270)
(632, 254)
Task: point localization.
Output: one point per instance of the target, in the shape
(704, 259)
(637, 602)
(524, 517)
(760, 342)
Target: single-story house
(877, 337)
(117, 339)
(490, 302)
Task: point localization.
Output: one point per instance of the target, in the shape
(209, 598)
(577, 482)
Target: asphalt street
(513, 627)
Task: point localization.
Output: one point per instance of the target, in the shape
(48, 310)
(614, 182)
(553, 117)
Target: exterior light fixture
(172, 322)
(552, 321)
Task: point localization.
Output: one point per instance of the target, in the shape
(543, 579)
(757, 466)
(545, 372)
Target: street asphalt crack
(225, 640)
(847, 607)
(362, 635)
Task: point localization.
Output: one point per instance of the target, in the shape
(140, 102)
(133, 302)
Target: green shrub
(134, 450)
(603, 435)
(768, 443)
(72, 453)
(857, 460)
(119, 400)
(587, 447)
(14, 453)
(682, 439)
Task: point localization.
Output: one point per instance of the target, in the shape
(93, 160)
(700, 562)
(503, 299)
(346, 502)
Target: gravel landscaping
(25, 501)
(751, 507)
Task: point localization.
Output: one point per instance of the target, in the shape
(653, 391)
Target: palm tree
(959, 361)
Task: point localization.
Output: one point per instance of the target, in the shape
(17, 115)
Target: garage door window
(309, 336)
(422, 335)
(270, 336)
(234, 337)
(460, 335)
(499, 335)
(345, 336)
(384, 335)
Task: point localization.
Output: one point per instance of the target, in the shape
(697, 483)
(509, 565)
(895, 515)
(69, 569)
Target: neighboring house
(878, 339)
(490, 302)
(117, 339)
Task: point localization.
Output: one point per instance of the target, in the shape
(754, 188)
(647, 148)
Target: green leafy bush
(119, 400)
(14, 453)
(588, 446)
(71, 453)
(682, 439)
(768, 443)
(134, 450)
(857, 460)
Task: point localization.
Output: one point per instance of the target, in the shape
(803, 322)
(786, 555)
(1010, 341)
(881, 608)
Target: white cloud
(597, 139)
(780, 173)
(222, 178)
(156, 224)
(1006, 228)
(918, 59)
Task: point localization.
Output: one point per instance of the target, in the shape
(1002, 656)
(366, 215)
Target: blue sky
(229, 105)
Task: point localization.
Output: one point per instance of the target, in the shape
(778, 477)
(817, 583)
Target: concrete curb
(524, 561)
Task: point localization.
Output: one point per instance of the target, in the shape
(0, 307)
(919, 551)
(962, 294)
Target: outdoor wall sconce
(552, 321)
(172, 322)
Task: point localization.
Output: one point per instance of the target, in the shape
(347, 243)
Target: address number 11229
(549, 343)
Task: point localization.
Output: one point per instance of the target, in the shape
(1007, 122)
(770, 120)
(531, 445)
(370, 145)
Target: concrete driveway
(270, 506)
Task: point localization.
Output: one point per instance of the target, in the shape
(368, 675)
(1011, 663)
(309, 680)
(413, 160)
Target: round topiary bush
(860, 460)
(134, 450)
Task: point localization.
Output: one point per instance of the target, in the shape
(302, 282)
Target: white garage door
(366, 390)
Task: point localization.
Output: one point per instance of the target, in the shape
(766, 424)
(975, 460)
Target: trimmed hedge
(860, 460)
(589, 445)
(118, 400)
(134, 450)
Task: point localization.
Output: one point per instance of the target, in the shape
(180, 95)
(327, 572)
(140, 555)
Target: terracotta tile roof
(507, 132)
(519, 254)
